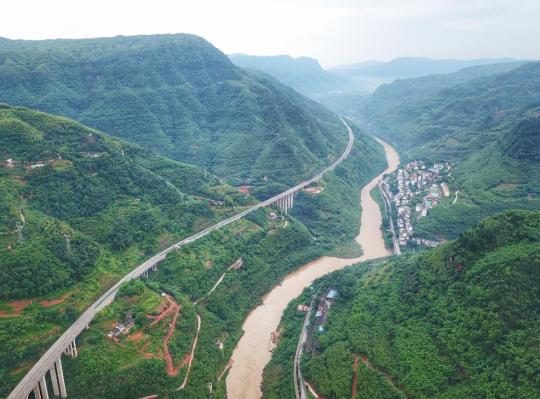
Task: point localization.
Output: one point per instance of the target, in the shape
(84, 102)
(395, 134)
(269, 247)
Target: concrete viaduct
(49, 366)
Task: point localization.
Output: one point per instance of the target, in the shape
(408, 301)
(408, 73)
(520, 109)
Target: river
(251, 354)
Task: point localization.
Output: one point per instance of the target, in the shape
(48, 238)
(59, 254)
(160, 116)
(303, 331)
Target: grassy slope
(179, 96)
(457, 321)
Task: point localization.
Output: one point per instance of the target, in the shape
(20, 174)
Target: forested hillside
(75, 191)
(487, 126)
(389, 96)
(90, 207)
(454, 120)
(179, 96)
(459, 321)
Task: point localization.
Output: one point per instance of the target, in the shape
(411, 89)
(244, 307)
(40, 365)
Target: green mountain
(456, 120)
(78, 193)
(338, 92)
(486, 125)
(179, 96)
(403, 91)
(459, 321)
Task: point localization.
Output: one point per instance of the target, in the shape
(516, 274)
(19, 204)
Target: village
(318, 324)
(414, 190)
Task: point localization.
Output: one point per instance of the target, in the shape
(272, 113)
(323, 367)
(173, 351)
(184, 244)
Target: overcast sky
(333, 31)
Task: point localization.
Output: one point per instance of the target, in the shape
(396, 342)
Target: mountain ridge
(177, 95)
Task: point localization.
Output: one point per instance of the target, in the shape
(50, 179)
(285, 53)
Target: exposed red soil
(17, 307)
(171, 370)
(167, 308)
(136, 337)
(314, 190)
(244, 189)
(355, 378)
(46, 303)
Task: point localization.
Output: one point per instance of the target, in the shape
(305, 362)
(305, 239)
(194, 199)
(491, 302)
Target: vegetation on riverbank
(144, 203)
(460, 320)
(385, 223)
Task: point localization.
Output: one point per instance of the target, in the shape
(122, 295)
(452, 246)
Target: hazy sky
(333, 31)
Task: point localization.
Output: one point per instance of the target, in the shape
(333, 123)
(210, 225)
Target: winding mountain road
(40, 368)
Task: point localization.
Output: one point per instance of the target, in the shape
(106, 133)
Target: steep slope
(338, 92)
(179, 96)
(503, 175)
(459, 321)
(400, 91)
(442, 124)
(486, 126)
(77, 193)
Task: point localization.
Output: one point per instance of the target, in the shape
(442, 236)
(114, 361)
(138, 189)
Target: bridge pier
(43, 388)
(71, 350)
(286, 203)
(60, 376)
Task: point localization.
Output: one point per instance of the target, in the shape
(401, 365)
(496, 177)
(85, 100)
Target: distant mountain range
(409, 67)
(303, 74)
(343, 87)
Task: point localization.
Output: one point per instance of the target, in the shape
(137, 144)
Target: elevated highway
(35, 381)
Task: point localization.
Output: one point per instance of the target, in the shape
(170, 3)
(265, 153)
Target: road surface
(299, 385)
(388, 210)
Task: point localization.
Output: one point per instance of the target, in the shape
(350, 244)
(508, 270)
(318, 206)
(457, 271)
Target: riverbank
(251, 355)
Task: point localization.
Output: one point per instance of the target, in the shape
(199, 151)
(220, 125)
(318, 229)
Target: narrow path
(250, 355)
(312, 391)
(299, 385)
(171, 370)
(388, 210)
(227, 367)
(456, 197)
(192, 354)
(217, 283)
(387, 377)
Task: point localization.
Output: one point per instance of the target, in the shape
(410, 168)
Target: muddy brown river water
(252, 352)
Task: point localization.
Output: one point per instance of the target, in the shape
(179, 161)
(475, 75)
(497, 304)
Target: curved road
(40, 368)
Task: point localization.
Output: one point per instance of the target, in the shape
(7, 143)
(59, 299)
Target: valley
(252, 354)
